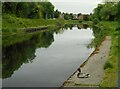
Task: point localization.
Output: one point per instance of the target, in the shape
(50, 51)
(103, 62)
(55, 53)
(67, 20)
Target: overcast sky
(75, 6)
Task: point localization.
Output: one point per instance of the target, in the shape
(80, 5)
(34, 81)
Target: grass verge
(111, 67)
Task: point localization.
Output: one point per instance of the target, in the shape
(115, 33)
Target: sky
(75, 6)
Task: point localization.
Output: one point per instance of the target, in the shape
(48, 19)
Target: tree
(97, 13)
(29, 9)
(22, 9)
(9, 7)
(107, 12)
(79, 14)
(48, 10)
(57, 14)
(71, 16)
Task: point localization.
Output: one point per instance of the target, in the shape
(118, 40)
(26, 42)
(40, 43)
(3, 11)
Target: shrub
(108, 65)
(14, 30)
(95, 21)
(5, 30)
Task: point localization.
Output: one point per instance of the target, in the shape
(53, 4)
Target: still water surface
(47, 59)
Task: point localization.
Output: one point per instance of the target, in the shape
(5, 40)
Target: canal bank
(12, 24)
(94, 66)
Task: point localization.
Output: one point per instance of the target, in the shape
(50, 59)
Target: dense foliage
(103, 14)
(29, 9)
(107, 12)
(39, 10)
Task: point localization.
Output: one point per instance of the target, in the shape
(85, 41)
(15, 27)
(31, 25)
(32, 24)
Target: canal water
(47, 58)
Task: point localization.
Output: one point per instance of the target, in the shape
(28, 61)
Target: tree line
(108, 11)
(39, 10)
(29, 9)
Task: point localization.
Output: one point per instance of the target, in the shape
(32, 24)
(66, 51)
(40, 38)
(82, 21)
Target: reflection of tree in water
(70, 26)
(15, 55)
(45, 39)
(59, 30)
(85, 26)
(80, 26)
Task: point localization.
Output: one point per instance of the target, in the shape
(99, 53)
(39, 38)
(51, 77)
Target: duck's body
(82, 75)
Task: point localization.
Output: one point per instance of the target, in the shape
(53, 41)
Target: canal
(46, 58)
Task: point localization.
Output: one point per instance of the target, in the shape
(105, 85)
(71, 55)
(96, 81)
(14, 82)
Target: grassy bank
(71, 21)
(111, 67)
(11, 23)
(101, 30)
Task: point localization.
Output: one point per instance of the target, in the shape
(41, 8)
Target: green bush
(95, 21)
(14, 30)
(108, 65)
(5, 30)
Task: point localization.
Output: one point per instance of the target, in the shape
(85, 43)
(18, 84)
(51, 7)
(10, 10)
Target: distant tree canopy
(69, 16)
(29, 9)
(107, 12)
(41, 10)
(38, 10)
(57, 14)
